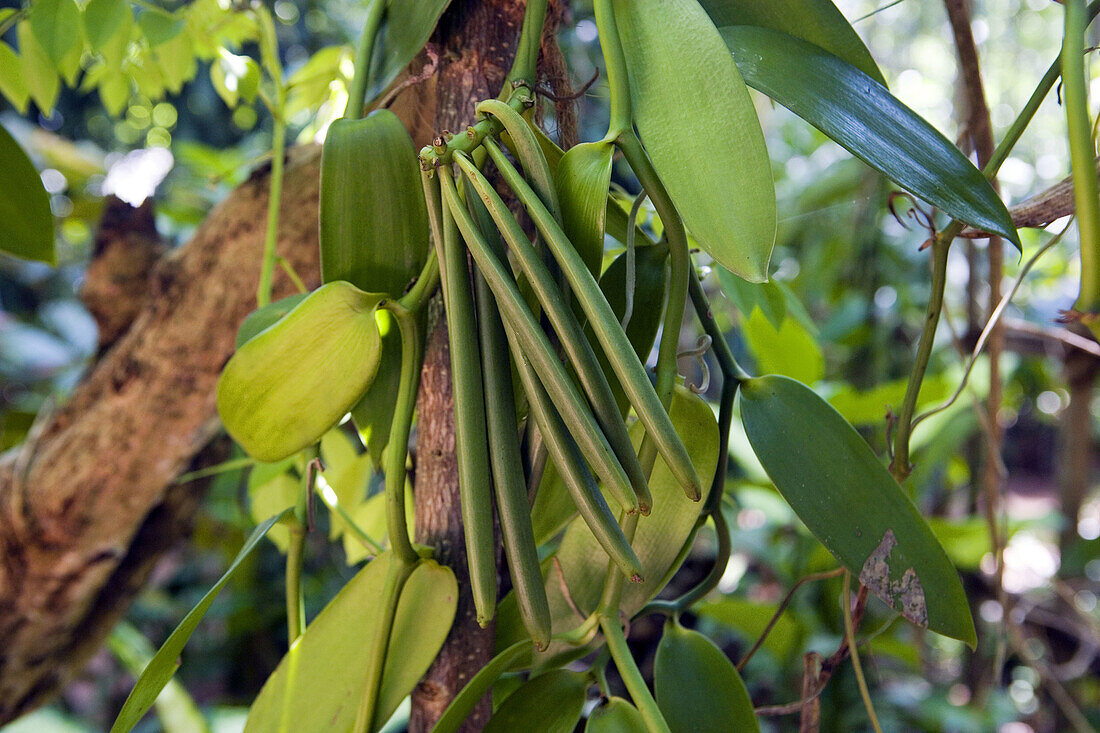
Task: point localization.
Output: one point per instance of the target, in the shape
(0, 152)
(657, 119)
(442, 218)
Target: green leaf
(286, 387)
(159, 26)
(12, 84)
(114, 92)
(104, 18)
(272, 496)
(374, 225)
(582, 179)
(267, 316)
(749, 619)
(862, 115)
(318, 683)
(38, 71)
(175, 708)
(165, 662)
(56, 25)
(835, 483)
(24, 206)
(177, 64)
(373, 414)
(814, 21)
(660, 535)
(789, 350)
(697, 687)
(549, 703)
(615, 716)
(699, 126)
(749, 297)
(406, 27)
(235, 78)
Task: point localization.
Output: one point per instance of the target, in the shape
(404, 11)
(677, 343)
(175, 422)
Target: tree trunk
(477, 40)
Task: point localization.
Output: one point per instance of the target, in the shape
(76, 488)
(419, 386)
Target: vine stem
(357, 92)
(615, 63)
(632, 676)
(278, 153)
(899, 466)
(1082, 152)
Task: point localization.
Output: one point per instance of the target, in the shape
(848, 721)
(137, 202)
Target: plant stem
(396, 574)
(357, 92)
(615, 63)
(900, 467)
(424, 286)
(278, 153)
(397, 448)
(1082, 154)
(632, 676)
(849, 631)
(295, 605)
(527, 54)
(441, 152)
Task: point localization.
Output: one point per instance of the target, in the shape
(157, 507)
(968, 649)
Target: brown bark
(477, 40)
(89, 502)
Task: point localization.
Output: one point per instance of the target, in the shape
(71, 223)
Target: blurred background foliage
(843, 315)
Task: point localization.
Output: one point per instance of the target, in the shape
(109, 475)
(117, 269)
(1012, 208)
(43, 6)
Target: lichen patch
(906, 596)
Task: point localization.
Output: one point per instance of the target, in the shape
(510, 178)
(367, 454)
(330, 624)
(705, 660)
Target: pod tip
(483, 620)
(645, 509)
(542, 644)
(636, 578)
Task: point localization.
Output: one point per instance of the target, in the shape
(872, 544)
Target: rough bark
(89, 502)
(477, 40)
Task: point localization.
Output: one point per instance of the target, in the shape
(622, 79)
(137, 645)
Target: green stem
(295, 605)
(900, 467)
(615, 63)
(278, 153)
(527, 54)
(396, 575)
(397, 449)
(1082, 156)
(632, 676)
(424, 286)
(357, 92)
(442, 151)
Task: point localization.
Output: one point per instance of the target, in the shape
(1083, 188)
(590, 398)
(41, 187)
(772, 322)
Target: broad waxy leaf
(56, 25)
(160, 26)
(549, 703)
(262, 318)
(582, 179)
(615, 716)
(24, 206)
(699, 126)
(165, 662)
(374, 225)
(697, 687)
(865, 118)
(814, 21)
(406, 27)
(835, 483)
(287, 386)
(318, 684)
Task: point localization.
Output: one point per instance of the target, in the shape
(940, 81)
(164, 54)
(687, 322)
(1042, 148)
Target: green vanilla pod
(612, 338)
(284, 388)
(536, 347)
(471, 443)
(580, 483)
(509, 483)
(573, 340)
(527, 150)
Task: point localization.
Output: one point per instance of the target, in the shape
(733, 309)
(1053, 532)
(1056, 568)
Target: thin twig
(783, 607)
